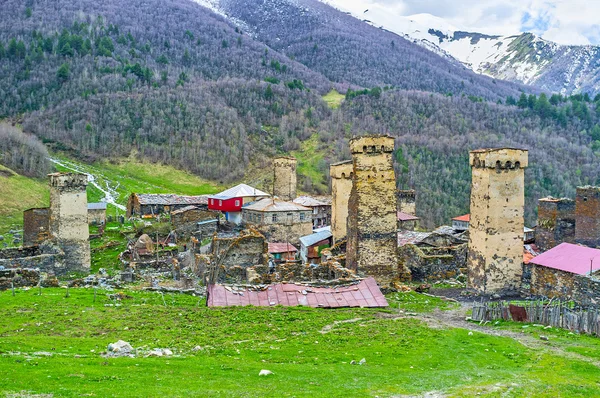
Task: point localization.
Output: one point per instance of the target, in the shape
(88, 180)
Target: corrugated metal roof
(171, 199)
(281, 247)
(183, 210)
(411, 237)
(364, 294)
(309, 201)
(311, 239)
(406, 217)
(466, 217)
(570, 258)
(271, 205)
(240, 191)
(97, 206)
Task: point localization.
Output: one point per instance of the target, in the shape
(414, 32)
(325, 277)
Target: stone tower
(284, 181)
(495, 254)
(556, 223)
(587, 216)
(69, 219)
(407, 201)
(372, 235)
(341, 184)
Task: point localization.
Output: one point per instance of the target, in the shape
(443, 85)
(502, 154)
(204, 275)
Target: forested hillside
(175, 83)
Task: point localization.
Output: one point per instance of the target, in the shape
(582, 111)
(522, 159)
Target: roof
(570, 258)
(311, 239)
(411, 237)
(526, 229)
(406, 217)
(276, 247)
(309, 201)
(271, 205)
(97, 206)
(342, 162)
(364, 294)
(466, 217)
(183, 210)
(171, 199)
(239, 191)
(529, 252)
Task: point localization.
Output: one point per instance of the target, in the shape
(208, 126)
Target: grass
(309, 157)
(51, 344)
(333, 99)
(106, 249)
(18, 193)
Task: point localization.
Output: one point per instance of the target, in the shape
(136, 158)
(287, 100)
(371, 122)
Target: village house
(282, 251)
(231, 201)
(151, 205)
(407, 222)
(461, 224)
(321, 210)
(186, 219)
(567, 271)
(278, 220)
(97, 213)
(311, 245)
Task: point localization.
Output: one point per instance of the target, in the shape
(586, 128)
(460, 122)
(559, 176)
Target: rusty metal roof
(281, 247)
(466, 217)
(406, 217)
(364, 294)
(570, 258)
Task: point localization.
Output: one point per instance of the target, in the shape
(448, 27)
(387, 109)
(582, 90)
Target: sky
(561, 21)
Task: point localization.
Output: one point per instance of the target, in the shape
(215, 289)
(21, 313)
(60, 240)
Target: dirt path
(456, 319)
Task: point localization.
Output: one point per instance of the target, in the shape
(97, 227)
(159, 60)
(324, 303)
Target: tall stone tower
(407, 201)
(372, 235)
(341, 184)
(284, 181)
(587, 216)
(69, 219)
(495, 255)
(556, 222)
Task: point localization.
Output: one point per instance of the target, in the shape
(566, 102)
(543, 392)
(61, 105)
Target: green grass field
(309, 156)
(51, 344)
(334, 99)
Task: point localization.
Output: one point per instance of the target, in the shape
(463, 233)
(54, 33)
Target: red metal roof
(276, 247)
(364, 294)
(466, 217)
(570, 258)
(406, 217)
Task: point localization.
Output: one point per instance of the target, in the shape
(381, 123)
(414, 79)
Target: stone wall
(69, 219)
(341, 186)
(556, 223)
(97, 216)
(287, 227)
(233, 256)
(187, 222)
(407, 202)
(553, 283)
(433, 263)
(495, 253)
(587, 216)
(46, 257)
(372, 210)
(36, 226)
(284, 178)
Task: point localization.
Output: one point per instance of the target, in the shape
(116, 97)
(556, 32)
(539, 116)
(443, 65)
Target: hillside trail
(456, 318)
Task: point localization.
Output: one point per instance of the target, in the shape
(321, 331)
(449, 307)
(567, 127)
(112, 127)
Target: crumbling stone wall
(69, 219)
(495, 253)
(587, 216)
(554, 283)
(284, 178)
(556, 223)
(233, 256)
(341, 186)
(46, 257)
(372, 241)
(36, 226)
(434, 263)
(187, 222)
(407, 202)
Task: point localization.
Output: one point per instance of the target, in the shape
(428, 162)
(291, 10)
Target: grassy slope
(18, 193)
(333, 99)
(403, 356)
(309, 156)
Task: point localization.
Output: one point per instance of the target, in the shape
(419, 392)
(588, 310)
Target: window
(220, 203)
(274, 217)
(212, 201)
(315, 210)
(302, 216)
(237, 202)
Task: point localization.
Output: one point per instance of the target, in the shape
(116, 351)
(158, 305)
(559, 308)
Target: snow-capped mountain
(524, 58)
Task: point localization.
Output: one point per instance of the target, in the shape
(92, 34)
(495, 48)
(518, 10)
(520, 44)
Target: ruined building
(284, 178)
(69, 219)
(341, 185)
(587, 216)
(495, 250)
(556, 222)
(407, 201)
(372, 241)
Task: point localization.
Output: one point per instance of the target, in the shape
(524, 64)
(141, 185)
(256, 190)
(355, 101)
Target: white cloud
(562, 21)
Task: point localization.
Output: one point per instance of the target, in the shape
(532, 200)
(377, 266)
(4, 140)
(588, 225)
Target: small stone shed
(97, 213)
(186, 219)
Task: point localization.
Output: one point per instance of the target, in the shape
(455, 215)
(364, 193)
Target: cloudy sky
(562, 21)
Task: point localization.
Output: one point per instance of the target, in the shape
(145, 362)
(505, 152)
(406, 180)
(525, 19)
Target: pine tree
(63, 74)
(522, 101)
(269, 92)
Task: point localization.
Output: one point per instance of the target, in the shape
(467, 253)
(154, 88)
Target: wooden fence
(557, 314)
